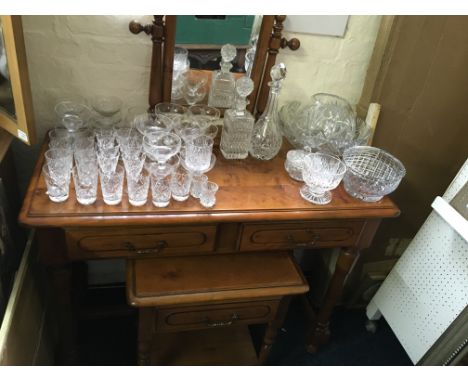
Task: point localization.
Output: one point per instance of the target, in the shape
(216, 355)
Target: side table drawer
(217, 315)
(300, 235)
(158, 241)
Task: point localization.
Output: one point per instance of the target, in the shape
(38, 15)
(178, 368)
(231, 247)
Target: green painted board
(214, 30)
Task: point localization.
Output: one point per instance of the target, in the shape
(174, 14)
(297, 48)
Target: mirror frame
(263, 45)
(23, 126)
(163, 31)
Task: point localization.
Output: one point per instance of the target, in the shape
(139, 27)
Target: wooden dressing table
(258, 209)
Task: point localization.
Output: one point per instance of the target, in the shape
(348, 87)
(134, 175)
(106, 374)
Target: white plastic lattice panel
(428, 287)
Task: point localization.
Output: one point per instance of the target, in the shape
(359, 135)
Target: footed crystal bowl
(326, 123)
(372, 173)
(107, 106)
(321, 172)
(72, 115)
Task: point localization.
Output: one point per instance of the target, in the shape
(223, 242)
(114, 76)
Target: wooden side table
(210, 292)
(258, 209)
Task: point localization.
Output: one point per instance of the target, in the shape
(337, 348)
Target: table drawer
(160, 241)
(217, 315)
(300, 235)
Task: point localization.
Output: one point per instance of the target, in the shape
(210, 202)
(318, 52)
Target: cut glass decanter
(238, 123)
(266, 136)
(222, 90)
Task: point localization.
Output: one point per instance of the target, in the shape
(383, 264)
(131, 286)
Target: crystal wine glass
(321, 173)
(195, 87)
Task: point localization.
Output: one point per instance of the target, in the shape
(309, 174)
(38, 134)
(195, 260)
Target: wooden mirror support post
(259, 60)
(162, 31)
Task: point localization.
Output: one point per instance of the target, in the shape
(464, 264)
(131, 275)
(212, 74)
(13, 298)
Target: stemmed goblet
(160, 146)
(195, 87)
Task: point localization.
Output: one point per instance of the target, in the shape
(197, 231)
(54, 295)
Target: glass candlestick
(266, 136)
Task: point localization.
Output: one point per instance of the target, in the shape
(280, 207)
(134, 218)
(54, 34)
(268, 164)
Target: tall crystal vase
(266, 136)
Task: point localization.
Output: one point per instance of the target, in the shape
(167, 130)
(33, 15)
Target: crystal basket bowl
(372, 173)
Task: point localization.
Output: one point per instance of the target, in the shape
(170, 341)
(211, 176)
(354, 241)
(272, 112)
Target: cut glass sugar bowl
(294, 163)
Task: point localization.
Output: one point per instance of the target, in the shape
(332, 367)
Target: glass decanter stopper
(223, 82)
(266, 136)
(238, 123)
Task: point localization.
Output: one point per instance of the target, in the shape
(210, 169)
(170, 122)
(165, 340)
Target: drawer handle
(214, 324)
(160, 245)
(311, 243)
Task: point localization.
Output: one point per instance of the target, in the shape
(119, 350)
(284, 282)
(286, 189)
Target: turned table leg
(145, 335)
(272, 330)
(319, 332)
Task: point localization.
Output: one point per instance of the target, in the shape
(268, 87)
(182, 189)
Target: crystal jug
(238, 123)
(266, 137)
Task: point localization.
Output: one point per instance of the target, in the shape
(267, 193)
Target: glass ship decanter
(266, 136)
(238, 123)
(222, 90)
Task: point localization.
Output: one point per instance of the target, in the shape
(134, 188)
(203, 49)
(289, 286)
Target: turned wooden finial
(292, 44)
(135, 27)
(280, 18)
(278, 26)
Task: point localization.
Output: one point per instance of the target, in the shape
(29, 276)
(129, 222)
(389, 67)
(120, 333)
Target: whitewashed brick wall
(89, 55)
(330, 64)
(97, 54)
(85, 55)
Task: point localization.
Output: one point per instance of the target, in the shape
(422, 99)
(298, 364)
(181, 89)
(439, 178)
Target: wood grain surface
(249, 190)
(206, 279)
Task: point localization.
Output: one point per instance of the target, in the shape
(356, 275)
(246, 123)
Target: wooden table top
(249, 190)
